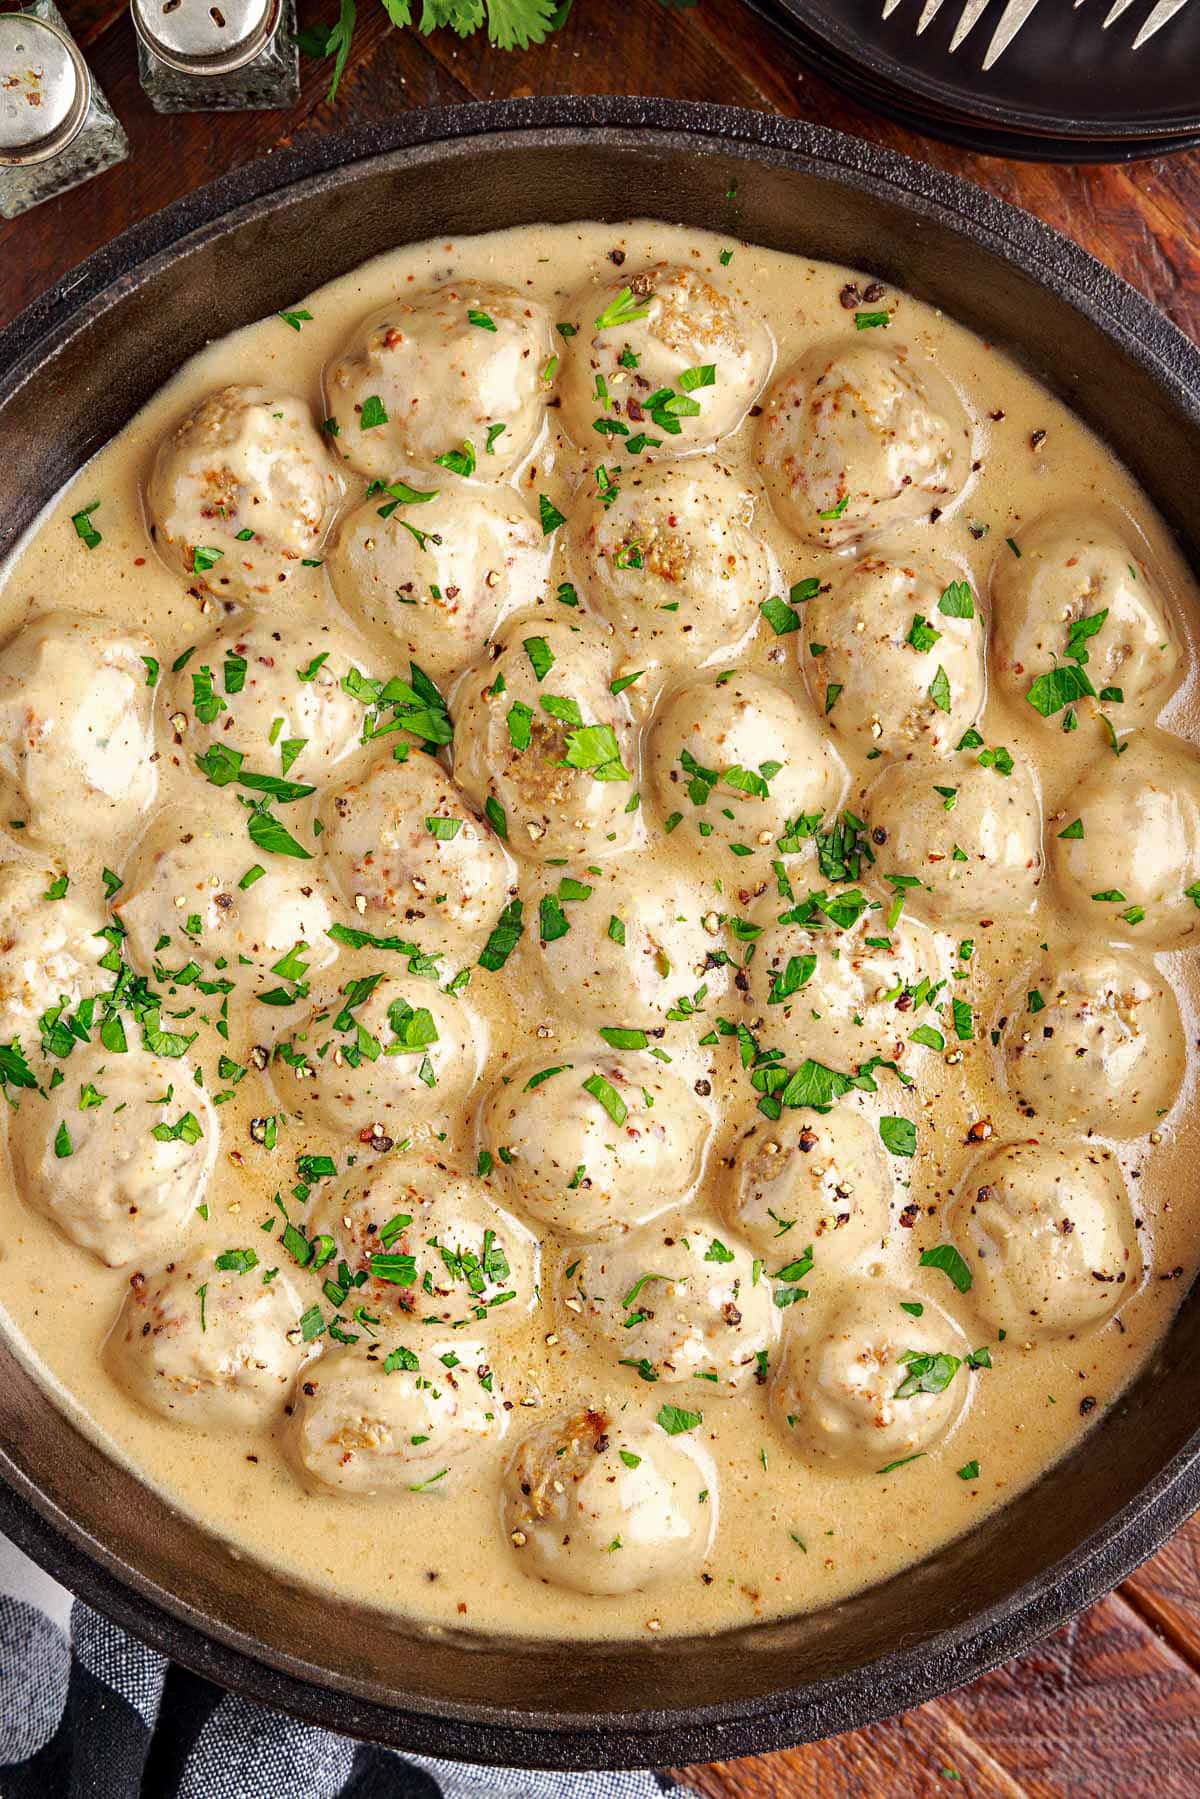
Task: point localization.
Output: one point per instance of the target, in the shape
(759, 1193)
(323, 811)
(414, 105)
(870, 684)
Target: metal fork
(1016, 12)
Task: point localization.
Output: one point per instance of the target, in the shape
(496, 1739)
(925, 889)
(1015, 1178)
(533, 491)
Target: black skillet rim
(901, 1680)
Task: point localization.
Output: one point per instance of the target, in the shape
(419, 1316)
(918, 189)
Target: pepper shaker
(235, 55)
(56, 128)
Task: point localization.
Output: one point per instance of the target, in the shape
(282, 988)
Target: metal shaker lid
(205, 37)
(45, 89)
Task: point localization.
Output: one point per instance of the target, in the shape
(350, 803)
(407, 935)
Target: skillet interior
(71, 372)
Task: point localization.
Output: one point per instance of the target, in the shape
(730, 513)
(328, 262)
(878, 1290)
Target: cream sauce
(792, 1533)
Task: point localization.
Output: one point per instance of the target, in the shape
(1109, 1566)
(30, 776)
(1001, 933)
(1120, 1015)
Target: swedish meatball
(360, 1425)
(841, 996)
(215, 1349)
(676, 1302)
(970, 834)
(385, 1055)
(76, 732)
(273, 693)
(411, 857)
(812, 1180)
(677, 562)
(604, 1142)
(599, 1502)
(442, 595)
(667, 354)
(1129, 869)
(540, 735)
(622, 947)
(242, 492)
(1093, 1040)
(888, 669)
(435, 1246)
(49, 951)
(1047, 1232)
(428, 375)
(1079, 593)
(119, 1155)
(187, 883)
(868, 1384)
(858, 438)
(744, 758)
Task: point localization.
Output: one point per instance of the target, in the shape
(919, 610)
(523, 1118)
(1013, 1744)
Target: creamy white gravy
(792, 1530)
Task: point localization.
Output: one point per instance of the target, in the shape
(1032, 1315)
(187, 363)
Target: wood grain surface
(1109, 1708)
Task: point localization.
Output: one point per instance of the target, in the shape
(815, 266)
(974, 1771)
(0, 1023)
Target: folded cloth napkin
(87, 1712)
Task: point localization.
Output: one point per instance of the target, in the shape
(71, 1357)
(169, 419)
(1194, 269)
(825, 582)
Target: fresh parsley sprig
(510, 24)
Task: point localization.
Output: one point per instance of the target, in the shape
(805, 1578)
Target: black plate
(1062, 77)
(898, 105)
(73, 368)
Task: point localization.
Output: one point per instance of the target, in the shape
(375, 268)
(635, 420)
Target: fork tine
(1162, 15)
(1011, 21)
(889, 7)
(971, 14)
(931, 10)
(1115, 11)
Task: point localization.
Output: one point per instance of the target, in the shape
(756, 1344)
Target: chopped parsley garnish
(675, 1420)
(85, 530)
(921, 634)
(926, 1373)
(604, 1091)
(622, 311)
(781, 617)
(899, 1135)
(947, 1258)
(505, 935)
(541, 657)
(459, 462)
(549, 514)
(939, 689)
(957, 601)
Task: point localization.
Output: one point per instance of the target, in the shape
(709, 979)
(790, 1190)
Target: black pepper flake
(1037, 439)
(1086, 1405)
(617, 257)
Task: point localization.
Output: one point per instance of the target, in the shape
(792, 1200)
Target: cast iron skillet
(72, 369)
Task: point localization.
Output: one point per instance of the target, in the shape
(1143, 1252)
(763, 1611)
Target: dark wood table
(1109, 1708)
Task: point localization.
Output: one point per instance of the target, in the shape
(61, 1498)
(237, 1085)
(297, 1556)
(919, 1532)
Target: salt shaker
(236, 55)
(56, 128)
